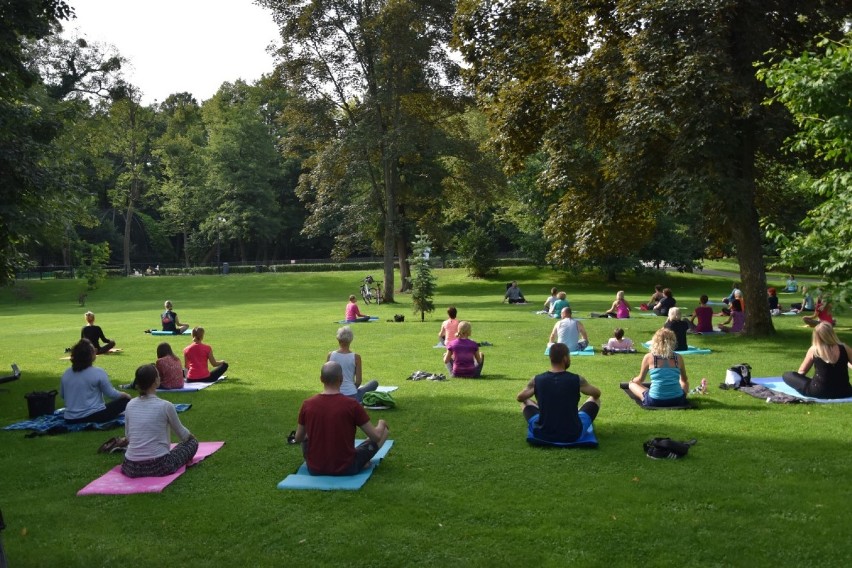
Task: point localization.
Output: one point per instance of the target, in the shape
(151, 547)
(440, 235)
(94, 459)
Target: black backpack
(744, 371)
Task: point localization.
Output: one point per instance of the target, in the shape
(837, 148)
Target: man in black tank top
(557, 394)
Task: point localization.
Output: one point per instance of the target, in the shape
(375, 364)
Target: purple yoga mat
(114, 482)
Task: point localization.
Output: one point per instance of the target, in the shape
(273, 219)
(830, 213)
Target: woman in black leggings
(830, 360)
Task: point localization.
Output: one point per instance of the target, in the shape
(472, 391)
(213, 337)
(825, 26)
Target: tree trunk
(128, 219)
(747, 236)
(391, 175)
(185, 249)
(744, 222)
(404, 268)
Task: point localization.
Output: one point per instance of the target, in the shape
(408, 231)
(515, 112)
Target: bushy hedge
(373, 267)
(460, 262)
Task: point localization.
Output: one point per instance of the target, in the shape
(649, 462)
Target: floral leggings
(163, 465)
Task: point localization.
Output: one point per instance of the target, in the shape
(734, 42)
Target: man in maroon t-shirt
(326, 429)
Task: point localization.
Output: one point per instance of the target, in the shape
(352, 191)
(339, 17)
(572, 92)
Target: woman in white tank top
(350, 362)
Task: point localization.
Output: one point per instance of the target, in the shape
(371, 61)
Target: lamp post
(219, 221)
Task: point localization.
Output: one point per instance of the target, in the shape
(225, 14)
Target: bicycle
(369, 294)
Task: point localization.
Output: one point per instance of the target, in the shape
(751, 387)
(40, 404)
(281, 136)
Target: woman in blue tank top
(666, 371)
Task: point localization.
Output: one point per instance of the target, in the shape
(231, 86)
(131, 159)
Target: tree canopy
(30, 201)
(379, 73)
(644, 109)
(815, 87)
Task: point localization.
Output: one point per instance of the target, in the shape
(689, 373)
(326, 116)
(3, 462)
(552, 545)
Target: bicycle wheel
(365, 293)
(377, 293)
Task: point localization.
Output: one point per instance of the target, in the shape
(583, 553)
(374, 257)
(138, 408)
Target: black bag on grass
(667, 449)
(744, 371)
(40, 403)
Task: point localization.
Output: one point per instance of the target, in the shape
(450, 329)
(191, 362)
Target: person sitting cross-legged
(669, 383)
(326, 429)
(353, 312)
(84, 386)
(831, 360)
(350, 362)
(569, 331)
(148, 421)
(559, 304)
(553, 418)
(449, 328)
(170, 320)
(463, 357)
(514, 294)
(95, 335)
(704, 314)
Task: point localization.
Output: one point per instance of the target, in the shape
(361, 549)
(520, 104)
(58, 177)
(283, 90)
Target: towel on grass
(304, 480)
(114, 482)
(691, 351)
(637, 400)
(192, 386)
(55, 423)
(777, 385)
(588, 350)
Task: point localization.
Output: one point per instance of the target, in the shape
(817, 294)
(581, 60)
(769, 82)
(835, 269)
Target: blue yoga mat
(589, 350)
(777, 384)
(304, 480)
(161, 332)
(691, 351)
(57, 420)
(587, 439)
(372, 319)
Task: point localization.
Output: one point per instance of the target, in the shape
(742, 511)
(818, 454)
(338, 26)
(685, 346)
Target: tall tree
(369, 60)
(422, 280)
(127, 134)
(182, 196)
(77, 68)
(29, 202)
(658, 98)
(243, 168)
(815, 86)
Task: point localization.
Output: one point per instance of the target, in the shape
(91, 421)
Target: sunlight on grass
(460, 487)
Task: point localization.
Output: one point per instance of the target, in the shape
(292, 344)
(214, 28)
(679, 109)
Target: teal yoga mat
(372, 319)
(304, 480)
(589, 350)
(161, 332)
(691, 351)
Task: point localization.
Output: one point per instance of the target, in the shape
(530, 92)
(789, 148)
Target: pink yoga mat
(114, 482)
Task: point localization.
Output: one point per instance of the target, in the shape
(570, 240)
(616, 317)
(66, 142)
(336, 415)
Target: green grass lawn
(767, 485)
